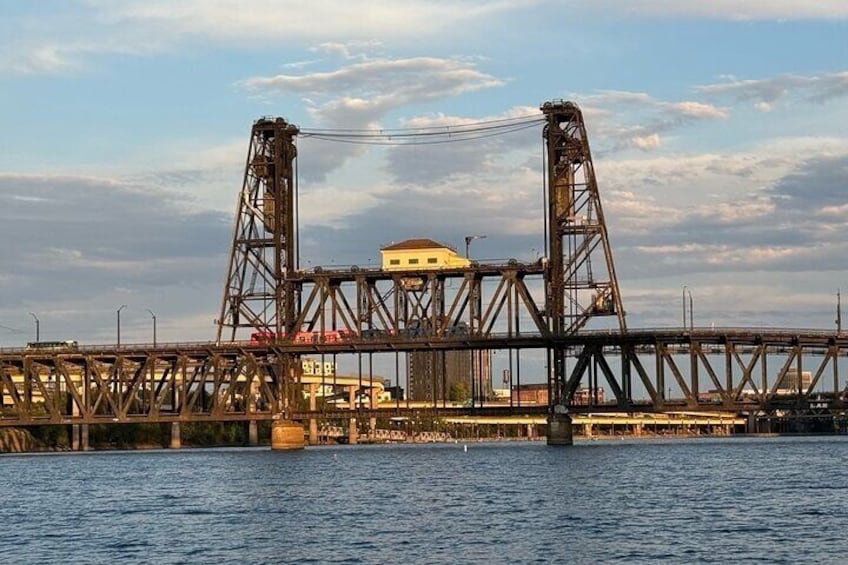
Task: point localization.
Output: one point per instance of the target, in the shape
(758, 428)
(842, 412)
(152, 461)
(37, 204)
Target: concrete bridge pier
(352, 432)
(287, 435)
(560, 430)
(253, 433)
(79, 437)
(313, 422)
(751, 426)
(176, 440)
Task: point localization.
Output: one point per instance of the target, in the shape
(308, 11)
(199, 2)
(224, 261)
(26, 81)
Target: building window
(394, 261)
(431, 260)
(413, 261)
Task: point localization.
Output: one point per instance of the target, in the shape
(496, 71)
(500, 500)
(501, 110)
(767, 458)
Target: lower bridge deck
(734, 370)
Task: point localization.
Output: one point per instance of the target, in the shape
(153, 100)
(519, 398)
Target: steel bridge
(516, 309)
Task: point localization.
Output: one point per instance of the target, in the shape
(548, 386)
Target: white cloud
(768, 91)
(621, 120)
(360, 95)
(646, 142)
(737, 10)
(64, 40)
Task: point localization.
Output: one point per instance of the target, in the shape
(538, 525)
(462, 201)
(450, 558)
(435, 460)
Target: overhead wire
(376, 137)
(533, 117)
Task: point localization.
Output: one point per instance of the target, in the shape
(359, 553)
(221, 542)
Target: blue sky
(717, 128)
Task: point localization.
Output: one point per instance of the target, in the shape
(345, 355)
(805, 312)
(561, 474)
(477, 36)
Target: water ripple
(775, 500)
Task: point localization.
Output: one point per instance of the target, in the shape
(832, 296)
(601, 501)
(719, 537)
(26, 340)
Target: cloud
(80, 245)
(371, 90)
(621, 120)
(52, 40)
(785, 223)
(768, 91)
(749, 10)
(501, 144)
(374, 87)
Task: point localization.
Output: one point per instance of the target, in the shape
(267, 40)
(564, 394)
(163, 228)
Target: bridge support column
(352, 432)
(287, 435)
(559, 430)
(637, 429)
(176, 440)
(751, 426)
(313, 422)
(531, 431)
(253, 433)
(372, 428)
(79, 437)
(587, 429)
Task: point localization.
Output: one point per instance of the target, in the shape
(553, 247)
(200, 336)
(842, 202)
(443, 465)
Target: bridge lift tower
(577, 288)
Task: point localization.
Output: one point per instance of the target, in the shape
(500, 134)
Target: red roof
(422, 243)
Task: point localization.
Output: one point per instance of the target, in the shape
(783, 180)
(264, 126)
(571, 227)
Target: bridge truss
(702, 370)
(517, 308)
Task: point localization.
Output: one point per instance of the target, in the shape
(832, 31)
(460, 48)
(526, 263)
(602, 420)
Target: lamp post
(838, 311)
(152, 315)
(684, 306)
(118, 312)
(37, 327)
(691, 315)
(468, 240)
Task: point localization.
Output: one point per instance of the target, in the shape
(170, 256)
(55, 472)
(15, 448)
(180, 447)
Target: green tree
(458, 392)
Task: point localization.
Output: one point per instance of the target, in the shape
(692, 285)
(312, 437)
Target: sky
(717, 131)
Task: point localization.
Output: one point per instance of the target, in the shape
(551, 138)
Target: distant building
(421, 254)
(537, 393)
(432, 374)
(314, 367)
(586, 396)
(530, 394)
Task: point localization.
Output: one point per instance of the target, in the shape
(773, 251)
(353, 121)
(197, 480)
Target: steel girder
(476, 302)
(146, 387)
(754, 372)
(713, 373)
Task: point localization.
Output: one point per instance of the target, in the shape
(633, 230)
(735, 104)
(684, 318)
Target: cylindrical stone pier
(253, 433)
(176, 441)
(287, 435)
(313, 422)
(352, 430)
(559, 430)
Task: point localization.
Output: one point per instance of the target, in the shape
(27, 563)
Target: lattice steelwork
(486, 307)
(578, 287)
(257, 295)
(766, 374)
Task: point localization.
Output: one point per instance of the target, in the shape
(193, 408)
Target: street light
(468, 240)
(684, 306)
(838, 311)
(37, 327)
(118, 312)
(154, 325)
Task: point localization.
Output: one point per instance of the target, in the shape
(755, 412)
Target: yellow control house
(421, 254)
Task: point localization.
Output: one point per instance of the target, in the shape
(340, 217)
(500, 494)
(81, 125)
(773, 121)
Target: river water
(772, 500)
